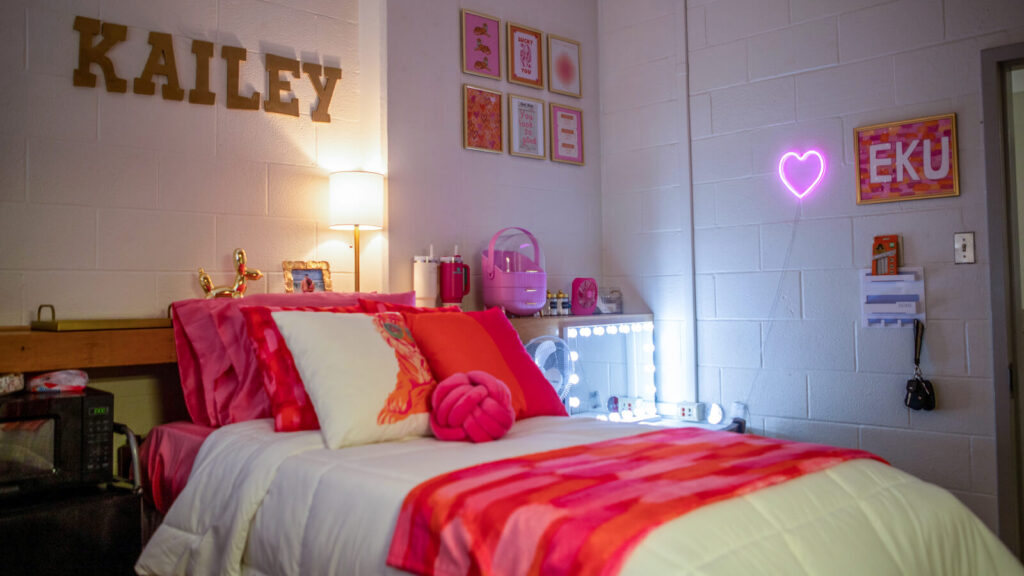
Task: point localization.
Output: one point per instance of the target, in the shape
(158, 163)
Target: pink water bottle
(454, 279)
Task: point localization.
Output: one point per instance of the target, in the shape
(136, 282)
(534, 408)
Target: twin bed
(248, 499)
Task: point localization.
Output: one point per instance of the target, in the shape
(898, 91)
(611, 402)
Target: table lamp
(357, 202)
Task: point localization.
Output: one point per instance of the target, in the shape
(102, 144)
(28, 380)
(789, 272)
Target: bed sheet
(262, 503)
(167, 455)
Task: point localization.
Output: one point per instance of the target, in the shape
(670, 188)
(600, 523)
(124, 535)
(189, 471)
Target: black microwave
(55, 440)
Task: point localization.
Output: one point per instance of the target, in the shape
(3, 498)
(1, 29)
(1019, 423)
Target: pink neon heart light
(804, 173)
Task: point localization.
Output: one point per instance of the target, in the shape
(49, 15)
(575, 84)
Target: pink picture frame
(907, 160)
(525, 55)
(481, 45)
(566, 134)
(482, 120)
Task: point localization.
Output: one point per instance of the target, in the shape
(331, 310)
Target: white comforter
(261, 503)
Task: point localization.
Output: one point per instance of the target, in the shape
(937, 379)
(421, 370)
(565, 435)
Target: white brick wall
(447, 196)
(768, 77)
(645, 172)
(109, 203)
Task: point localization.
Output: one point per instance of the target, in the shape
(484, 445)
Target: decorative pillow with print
(364, 373)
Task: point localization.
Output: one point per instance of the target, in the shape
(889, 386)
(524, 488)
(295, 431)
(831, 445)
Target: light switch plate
(963, 248)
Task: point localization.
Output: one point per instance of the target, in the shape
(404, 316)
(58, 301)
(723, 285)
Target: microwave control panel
(97, 437)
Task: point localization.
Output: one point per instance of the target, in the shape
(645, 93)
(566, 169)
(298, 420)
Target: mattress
(167, 455)
(263, 503)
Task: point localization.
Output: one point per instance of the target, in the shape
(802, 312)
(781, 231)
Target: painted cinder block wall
(647, 231)
(110, 202)
(443, 194)
(770, 75)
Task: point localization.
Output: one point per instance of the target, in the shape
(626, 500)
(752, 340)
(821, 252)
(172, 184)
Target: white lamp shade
(357, 199)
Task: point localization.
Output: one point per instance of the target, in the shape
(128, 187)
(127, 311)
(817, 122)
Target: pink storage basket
(513, 272)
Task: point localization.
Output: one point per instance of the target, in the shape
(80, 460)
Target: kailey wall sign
(161, 63)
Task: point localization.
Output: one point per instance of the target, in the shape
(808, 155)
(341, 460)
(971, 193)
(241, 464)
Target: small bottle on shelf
(564, 307)
(552, 308)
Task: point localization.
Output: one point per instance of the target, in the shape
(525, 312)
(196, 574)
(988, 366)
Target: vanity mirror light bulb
(598, 330)
(574, 379)
(574, 356)
(613, 330)
(574, 402)
(624, 328)
(571, 333)
(585, 332)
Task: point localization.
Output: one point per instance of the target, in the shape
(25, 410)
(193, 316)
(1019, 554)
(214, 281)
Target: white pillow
(363, 372)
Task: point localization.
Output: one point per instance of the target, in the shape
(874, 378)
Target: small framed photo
(311, 276)
(481, 44)
(566, 140)
(525, 56)
(564, 66)
(526, 133)
(481, 119)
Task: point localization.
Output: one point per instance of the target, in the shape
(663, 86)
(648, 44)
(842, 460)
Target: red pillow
(485, 341)
(377, 306)
(289, 402)
(220, 376)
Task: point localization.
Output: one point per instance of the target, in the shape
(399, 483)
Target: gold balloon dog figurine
(241, 275)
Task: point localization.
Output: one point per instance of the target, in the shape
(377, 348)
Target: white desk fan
(551, 354)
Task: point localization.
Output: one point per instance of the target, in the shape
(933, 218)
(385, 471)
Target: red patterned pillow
(289, 402)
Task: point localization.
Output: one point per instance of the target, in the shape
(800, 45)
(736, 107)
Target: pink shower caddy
(512, 279)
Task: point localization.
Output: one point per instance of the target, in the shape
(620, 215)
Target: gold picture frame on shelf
(307, 276)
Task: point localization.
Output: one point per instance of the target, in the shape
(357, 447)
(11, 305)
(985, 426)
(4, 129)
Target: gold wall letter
(324, 92)
(89, 53)
(201, 93)
(160, 63)
(234, 56)
(273, 103)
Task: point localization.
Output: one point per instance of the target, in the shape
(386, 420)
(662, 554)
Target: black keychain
(920, 392)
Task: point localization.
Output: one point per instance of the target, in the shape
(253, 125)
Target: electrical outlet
(691, 411)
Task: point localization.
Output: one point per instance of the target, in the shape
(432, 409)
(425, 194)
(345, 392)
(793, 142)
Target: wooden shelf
(23, 350)
(531, 327)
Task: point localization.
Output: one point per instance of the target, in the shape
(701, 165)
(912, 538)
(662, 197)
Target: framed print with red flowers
(481, 119)
(564, 66)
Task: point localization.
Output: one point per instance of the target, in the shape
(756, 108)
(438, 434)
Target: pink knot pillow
(472, 406)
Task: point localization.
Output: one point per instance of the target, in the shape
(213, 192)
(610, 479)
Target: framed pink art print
(525, 56)
(481, 44)
(564, 66)
(481, 119)
(566, 141)
(907, 160)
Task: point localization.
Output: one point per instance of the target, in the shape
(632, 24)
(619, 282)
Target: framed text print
(481, 119)
(907, 160)
(566, 134)
(481, 45)
(563, 66)
(525, 56)
(526, 134)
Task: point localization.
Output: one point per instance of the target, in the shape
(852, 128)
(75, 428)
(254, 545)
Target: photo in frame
(481, 119)
(566, 140)
(907, 160)
(306, 276)
(526, 130)
(525, 56)
(481, 44)
(564, 66)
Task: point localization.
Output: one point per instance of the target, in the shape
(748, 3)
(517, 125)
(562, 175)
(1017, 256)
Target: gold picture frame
(564, 59)
(525, 64)
(889, 172)
(481, 44)
(527, 127)
(482, 119)
(315, 273)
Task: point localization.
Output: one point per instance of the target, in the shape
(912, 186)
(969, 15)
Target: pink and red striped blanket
(582, 509)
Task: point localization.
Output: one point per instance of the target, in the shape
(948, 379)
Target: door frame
(993, 90)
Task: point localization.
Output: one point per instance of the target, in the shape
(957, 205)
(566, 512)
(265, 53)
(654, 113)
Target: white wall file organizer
(894, 300)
